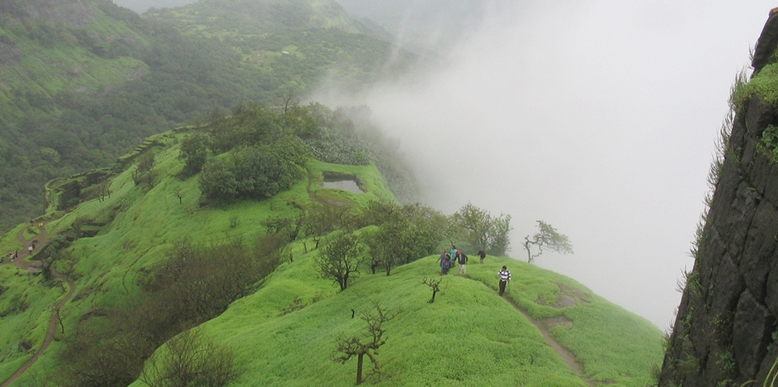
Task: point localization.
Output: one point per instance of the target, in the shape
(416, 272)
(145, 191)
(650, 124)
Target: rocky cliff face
(725, 332)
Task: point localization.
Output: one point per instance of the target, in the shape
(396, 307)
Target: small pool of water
(344, 182)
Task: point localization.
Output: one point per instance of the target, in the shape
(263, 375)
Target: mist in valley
(141, 6)
(598, 117)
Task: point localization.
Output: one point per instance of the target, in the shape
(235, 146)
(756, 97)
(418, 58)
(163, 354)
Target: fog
(599, 117)
(141, 6)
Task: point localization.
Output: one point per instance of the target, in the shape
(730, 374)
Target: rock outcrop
(725, 331)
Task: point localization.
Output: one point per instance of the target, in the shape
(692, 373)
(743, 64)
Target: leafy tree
(499, 235)
(475, 223)
(383, 248)
(410, 232)
(366, 345)
(194, 152)
(323, 219)
(144, 173)
(256, 172)
(420, 228)
(340, 258)
(218, 182)
(548, 238)
(482, 231)
(287, 227)
(378, 213)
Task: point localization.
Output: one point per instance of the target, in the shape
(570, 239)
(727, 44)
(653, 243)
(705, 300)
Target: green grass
(764, 85)
(143, 227)
(468, 337)
(9, 242)
(26, 310)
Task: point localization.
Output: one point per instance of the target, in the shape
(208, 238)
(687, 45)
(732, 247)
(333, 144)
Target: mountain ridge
(121, 236)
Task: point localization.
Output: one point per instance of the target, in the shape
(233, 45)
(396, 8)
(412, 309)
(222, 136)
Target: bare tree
(340, 258)
(434, 284)
(367, 345)
(179, 192)
(289, 100)
(547, 237)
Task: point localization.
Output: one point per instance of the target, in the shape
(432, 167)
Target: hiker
(29, 250)
(505, 276)
(442, 256)
(462, 259)
(445, 264)
(453, 251)
(482, 255)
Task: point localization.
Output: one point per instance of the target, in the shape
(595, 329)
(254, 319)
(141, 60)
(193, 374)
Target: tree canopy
(479, 230)
(547, 238)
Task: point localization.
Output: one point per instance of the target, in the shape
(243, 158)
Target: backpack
(462, 258)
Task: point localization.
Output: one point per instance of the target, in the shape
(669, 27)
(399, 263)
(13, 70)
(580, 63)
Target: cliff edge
(725, 330)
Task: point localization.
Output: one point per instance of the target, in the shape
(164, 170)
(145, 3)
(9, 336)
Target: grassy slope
(468, 336)
(143, 227)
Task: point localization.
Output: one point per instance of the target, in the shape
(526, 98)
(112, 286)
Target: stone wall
(725, 329)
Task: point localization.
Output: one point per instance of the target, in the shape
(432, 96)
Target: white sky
(597, 116)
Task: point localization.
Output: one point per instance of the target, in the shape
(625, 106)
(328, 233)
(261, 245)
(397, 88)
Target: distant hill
(141, 6)
(84, 81)
(428, 27)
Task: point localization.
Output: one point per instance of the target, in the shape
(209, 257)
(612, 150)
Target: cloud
(599, 117)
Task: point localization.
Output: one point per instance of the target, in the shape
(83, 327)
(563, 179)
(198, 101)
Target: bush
(191, 359)
(257, 172)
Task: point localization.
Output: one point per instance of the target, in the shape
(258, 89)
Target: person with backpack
(462, 259)
(445, 264)
(442, 256)
(505, 276)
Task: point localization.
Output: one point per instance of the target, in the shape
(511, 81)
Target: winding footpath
(566, 355)
(40, 241)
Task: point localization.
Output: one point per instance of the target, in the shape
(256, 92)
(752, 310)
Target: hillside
(123, 251)
(284, 334)
(85, 81)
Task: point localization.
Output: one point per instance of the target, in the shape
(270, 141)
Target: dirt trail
(39, 241)
(566, 355)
